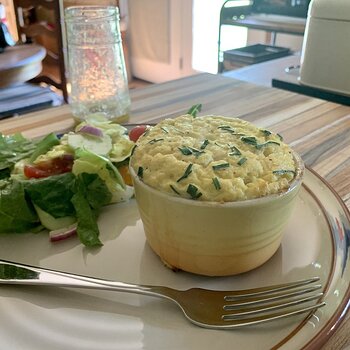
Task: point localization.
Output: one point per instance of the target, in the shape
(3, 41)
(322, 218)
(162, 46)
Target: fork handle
(15, 273)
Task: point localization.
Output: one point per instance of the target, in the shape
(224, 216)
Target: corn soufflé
(213, 158)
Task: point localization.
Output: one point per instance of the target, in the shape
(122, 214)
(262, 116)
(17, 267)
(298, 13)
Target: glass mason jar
(96, 66)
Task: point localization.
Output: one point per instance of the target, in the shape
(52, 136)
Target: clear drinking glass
(96, 66)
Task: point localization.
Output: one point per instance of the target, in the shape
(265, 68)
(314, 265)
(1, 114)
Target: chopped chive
(185, 151)
(226, 128)
(204, 144)
(196, 151)
(266, 132)
(174, 189)
(187, 172)
(261, 145)
(140, 172)
(216, 183)
(250, 140)
(194, 110)
(234, 151)
(283, 171)
(242, 161)
(280, 136)
(192, 190)
(154, 141)
(221, 166)
(165, 129)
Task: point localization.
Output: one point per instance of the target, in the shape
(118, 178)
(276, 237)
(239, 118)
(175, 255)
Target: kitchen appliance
(325, 59)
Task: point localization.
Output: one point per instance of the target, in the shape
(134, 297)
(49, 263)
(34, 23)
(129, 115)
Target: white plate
(34, 318)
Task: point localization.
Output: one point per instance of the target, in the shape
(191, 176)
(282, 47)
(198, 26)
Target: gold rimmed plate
(315, 243)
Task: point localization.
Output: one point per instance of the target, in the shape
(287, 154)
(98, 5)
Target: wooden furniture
(248, 16)
(20, 63)
(318, 130)
(39, 21)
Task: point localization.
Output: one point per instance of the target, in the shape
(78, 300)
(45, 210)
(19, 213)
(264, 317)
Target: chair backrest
(39, 21)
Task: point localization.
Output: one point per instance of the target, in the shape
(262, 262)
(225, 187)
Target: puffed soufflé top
(213, 158)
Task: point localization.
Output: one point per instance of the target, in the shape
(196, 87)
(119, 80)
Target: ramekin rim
(300, 167)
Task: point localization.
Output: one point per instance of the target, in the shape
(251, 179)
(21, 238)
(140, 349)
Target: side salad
(61, 183)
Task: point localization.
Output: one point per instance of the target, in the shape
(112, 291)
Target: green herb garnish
(216, 183)
(204, 144)
(140, 172)
(196, 152)
(194, 110)
(250, 140)
(174, 189)
(266, 132)
(280, 136)
(226, 128)
(221, 166)
(242, 161)
(165, 129)
(192, 190)
(261, 145)
(234, 151)
(154, 141)
(187, 172)
(283, 171)
(185, 151)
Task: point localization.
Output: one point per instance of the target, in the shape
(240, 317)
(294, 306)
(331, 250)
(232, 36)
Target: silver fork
(203, 307)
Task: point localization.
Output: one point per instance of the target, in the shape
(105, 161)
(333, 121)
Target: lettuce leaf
(52, 194)
(96, 191)
(64, 195)
(17, 215)
(13, 148)
(90, 195)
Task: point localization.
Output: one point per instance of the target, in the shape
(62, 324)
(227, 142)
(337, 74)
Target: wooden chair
(39, 21)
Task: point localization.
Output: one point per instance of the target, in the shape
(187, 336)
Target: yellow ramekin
(215, 239)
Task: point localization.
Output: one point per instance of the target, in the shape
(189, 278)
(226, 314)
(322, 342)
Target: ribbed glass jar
(96, 65)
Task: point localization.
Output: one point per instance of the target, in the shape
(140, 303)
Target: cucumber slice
(101, 146)
(52, 223)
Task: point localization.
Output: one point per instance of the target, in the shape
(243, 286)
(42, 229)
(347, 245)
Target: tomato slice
(53, 166)
(137, 131)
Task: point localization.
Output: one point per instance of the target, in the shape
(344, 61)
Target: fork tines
(259, 305)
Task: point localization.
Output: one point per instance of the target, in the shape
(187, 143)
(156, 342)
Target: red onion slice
(91, 130)
(63, 233)
(68, 156)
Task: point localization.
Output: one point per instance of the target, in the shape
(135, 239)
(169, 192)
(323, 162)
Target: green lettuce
(13, 148)
(90, 195)
(64, 195)
(17, 214)
(52, 194)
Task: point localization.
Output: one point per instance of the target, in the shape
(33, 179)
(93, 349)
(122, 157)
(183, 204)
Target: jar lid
(332, 10)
